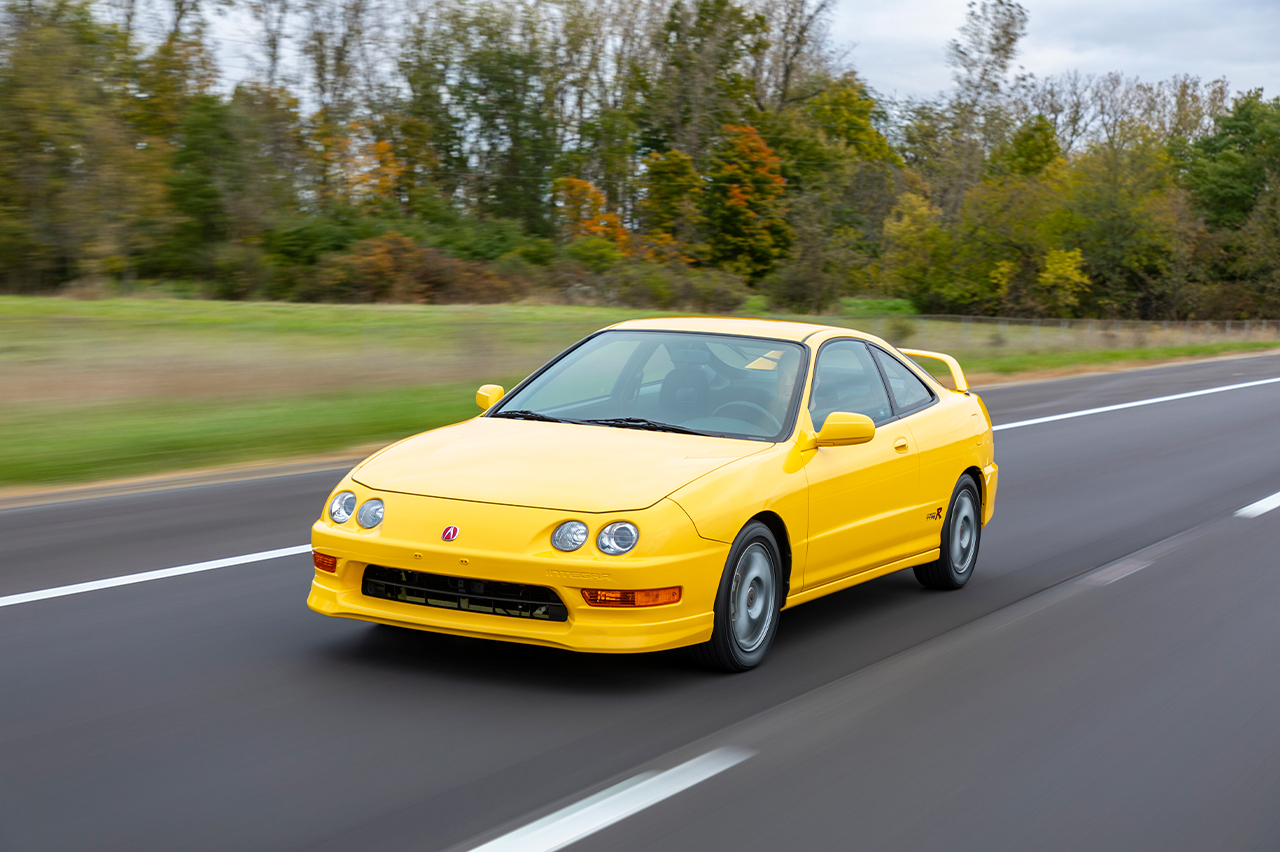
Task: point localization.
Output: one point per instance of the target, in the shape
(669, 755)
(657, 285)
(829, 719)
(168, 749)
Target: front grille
(510, 599)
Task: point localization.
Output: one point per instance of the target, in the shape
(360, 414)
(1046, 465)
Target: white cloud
(899, 47)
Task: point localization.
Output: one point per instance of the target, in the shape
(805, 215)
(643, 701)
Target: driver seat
(686, 391)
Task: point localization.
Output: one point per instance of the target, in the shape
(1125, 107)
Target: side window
(908, 391)
(846, 379)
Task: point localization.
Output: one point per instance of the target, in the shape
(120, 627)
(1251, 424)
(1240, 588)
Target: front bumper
(508, 544)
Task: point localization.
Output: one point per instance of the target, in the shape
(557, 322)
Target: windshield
(709, 384)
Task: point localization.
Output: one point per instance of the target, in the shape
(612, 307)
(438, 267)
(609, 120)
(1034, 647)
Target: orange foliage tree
(358, 168)
(743, 211)
(582, 211)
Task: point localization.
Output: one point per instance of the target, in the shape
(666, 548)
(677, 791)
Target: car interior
(722, 386)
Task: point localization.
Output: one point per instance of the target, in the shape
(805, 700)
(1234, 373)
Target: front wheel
(747, 603)
(961, 535)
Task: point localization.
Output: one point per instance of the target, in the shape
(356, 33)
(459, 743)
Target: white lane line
(616, 803)
(1266, 504)
(1171, 398)
(145, 576)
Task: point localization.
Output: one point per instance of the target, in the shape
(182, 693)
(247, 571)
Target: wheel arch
(980, 483)
(778, 527)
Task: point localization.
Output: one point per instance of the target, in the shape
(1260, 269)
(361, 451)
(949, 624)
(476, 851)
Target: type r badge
(935, 515)
(449, 534)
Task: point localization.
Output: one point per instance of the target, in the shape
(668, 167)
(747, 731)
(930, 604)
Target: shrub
(651, 285)
(595, 253)
(240, 271)
(394, 268)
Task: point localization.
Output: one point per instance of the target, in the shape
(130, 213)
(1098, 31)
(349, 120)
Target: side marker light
(324, 561)
(642, 597)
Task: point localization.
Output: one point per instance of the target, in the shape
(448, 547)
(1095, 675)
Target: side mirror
(842, 429)
(488, 396)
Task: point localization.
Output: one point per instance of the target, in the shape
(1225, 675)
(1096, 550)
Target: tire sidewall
(944, 554)
(722, 635)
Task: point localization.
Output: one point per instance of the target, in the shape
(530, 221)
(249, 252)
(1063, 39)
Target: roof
(766, 328)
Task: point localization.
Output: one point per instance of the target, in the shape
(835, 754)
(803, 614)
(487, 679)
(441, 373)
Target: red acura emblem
(449, 534)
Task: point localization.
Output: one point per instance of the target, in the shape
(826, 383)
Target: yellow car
(667, 482)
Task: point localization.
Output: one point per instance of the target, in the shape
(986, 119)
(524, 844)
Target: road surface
(1107, 680)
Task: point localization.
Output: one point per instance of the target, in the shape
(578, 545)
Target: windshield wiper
(526, 414)
(642, 423)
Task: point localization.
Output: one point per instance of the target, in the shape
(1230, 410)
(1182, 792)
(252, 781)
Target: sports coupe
(663, 483)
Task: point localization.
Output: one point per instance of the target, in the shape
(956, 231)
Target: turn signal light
(643, 597)
(324, 561)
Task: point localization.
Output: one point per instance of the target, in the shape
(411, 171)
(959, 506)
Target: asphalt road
(1041, 707)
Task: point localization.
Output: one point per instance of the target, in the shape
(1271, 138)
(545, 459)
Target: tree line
(648, 152)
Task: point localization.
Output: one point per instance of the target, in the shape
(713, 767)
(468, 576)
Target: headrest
(690, 356)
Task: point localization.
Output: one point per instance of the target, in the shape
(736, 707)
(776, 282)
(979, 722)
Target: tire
(748, 603)
(961, 536)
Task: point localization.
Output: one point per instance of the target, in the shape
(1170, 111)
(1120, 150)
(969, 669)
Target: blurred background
(237, 229)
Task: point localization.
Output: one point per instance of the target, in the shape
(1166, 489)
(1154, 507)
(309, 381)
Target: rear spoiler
(957, 375)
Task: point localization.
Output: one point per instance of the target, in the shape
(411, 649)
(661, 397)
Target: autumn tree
(582, 212)
(673, 195)
(744, 209)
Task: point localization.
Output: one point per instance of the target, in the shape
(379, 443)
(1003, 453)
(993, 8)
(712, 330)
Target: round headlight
(371, 512)
(342, 507)
(618, 538)
(569, 536)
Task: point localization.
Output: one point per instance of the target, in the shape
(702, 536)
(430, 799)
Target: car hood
(561, 466)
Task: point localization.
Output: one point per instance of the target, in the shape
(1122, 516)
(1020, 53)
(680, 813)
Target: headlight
(618, 538)
(342, 507)
(569, 536)
(371, 513)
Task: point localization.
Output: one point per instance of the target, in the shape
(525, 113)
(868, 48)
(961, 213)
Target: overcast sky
(898, 46)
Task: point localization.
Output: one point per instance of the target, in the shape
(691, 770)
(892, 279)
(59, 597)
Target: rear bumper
(505, 544)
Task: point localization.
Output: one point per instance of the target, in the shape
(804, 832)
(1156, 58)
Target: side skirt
(862, 577)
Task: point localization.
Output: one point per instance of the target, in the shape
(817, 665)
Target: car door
(860, 496)
(934, 434)
(945, 434)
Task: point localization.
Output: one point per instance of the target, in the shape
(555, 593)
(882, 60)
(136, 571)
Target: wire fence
(92, 360)
(993, 335)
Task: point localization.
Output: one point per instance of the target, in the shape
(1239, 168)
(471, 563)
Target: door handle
(900, 445)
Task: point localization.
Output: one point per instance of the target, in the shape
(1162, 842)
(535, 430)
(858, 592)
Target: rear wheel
(961, 535)
(747, 603)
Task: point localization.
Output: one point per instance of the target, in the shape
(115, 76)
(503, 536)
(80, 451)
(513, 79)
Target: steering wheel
(758, 415)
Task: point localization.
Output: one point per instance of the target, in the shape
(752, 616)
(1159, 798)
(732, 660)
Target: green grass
(1021, 362)
(855, 306)
(78, 444)
(850, 306)
(273, 316)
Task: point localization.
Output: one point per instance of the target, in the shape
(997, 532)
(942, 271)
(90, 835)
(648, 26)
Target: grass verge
(1025, 362)
(71, 439)
(65, 445)
(106, 442)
